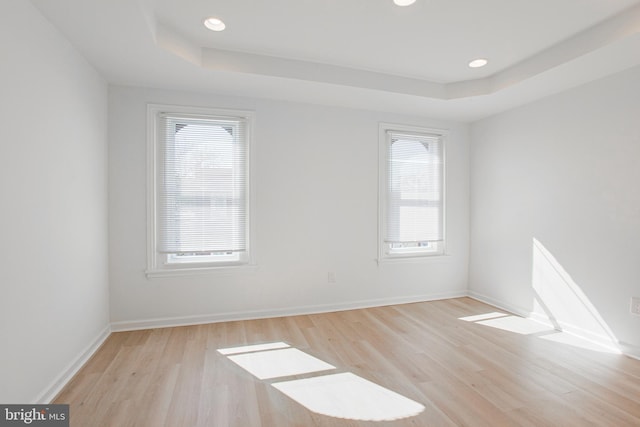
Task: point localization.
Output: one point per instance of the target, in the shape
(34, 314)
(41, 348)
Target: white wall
(53, 253)
(316, 212)
(564, 171)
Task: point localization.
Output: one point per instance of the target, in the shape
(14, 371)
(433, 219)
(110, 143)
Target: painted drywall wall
(316, 171)
(556, 209)
(53, 186)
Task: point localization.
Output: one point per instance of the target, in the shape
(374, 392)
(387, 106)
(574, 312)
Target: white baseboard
(599, 339)
(56, 386)
(168, 322)
(499, 304)
(48, 394)
(630, 350)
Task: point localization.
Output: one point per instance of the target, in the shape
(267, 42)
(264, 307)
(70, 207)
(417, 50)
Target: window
(411, 192)
(199, 195)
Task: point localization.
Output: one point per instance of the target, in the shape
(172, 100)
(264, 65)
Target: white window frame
(159, 265)
(407, 254)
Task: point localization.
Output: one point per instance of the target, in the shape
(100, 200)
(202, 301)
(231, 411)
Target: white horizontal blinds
(415, 188)
(202, 185)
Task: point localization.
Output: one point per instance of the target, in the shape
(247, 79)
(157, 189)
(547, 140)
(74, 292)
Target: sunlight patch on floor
(515, 324)
(526, 326)
(349, 396)
(255, 347)
(279, 363)
(484, 316)
(339, 395)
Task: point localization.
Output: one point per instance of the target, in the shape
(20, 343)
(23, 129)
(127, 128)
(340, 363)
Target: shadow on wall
(559, 301)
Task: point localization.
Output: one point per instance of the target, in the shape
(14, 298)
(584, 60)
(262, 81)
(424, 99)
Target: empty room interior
(331, 212)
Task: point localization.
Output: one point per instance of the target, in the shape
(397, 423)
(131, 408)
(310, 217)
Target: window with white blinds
(412, 192)
(201, 188)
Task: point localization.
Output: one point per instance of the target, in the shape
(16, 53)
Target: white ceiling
(358, 53)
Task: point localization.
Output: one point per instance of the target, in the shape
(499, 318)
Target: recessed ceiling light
(214, 24)
(404, 2)
(477, 63)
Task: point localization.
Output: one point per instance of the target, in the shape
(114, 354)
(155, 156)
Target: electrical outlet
(635, 306)
(331, 277)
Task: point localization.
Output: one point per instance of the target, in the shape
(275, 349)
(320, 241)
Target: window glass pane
(413, 209)
(204, 185)
(202, 189)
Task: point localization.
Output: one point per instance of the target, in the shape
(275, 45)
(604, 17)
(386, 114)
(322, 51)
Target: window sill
(199, 271)
(415, 259)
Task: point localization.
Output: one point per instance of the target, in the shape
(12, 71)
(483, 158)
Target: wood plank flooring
(463, 373)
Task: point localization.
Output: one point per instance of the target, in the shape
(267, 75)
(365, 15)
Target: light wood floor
(464, 373)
